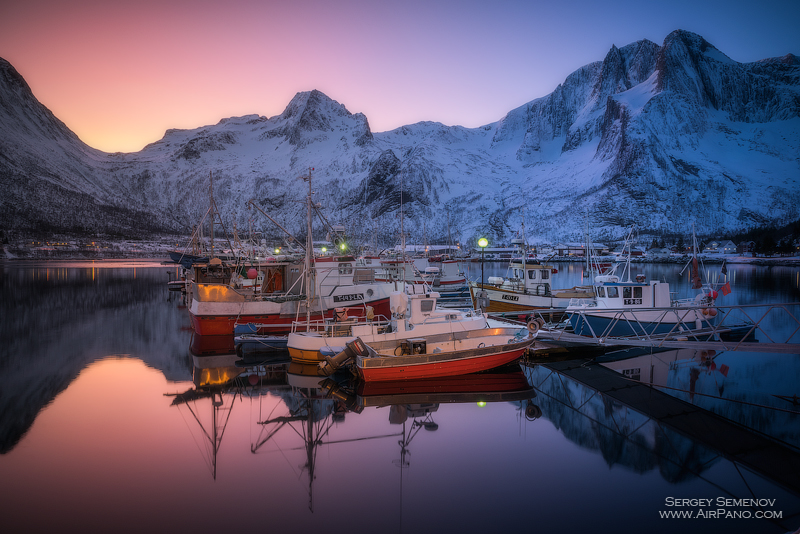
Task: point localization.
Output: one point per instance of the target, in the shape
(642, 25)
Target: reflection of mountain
(621, 435)
(641, 428)
(56, 321)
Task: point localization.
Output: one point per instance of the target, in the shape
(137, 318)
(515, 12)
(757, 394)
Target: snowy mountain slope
(657, 136)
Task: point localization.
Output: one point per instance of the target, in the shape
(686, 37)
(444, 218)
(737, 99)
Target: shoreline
(162, 256)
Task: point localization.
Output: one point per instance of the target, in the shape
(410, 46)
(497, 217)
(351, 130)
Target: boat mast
(213, 208)
(402, 231)
(310, 283)
(588, 248)
(524, 248)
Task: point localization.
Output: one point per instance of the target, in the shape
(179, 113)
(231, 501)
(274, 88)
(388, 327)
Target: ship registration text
(510, 297)
(353, 297)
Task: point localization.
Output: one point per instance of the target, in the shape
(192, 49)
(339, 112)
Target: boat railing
(331, 327)
(733, 328)
(582, 302)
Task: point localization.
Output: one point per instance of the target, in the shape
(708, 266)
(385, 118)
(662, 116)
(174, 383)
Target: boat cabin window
(632, 294)
(601, 291)
(426, 305)
(532, 274)
(345, 268)
(613, 292)
(545, 274)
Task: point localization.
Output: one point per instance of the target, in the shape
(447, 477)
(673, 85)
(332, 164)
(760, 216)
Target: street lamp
(482, 304)
(483, 243)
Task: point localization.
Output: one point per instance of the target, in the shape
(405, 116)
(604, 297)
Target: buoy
(253, 379)
(252, 273)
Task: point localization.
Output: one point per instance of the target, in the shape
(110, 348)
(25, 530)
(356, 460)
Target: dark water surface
(108, 423)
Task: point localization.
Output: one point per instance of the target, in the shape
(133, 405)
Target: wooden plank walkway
(777, 462)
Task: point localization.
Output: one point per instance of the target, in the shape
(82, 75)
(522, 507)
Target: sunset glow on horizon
(119, 74)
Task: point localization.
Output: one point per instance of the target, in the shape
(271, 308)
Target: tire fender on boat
(533, 326)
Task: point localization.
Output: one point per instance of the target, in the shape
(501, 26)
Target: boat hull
(511, 301)
(481, 351)
(271, 323)
(636, 322)
(309, 346)
(216, 308)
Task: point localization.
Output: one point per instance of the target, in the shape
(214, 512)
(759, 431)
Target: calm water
(109, 423)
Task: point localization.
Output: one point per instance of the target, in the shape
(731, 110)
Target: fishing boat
(527, 287)
(451, 354)
(412, 315)
(439, 272)
(626, 306)
(282, 297)
(312, 287)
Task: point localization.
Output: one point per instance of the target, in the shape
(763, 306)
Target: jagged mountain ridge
(658, 136)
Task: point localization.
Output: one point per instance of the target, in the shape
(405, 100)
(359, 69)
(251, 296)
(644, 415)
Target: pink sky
(121, 73)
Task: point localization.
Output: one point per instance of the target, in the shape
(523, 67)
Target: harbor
(111, 393)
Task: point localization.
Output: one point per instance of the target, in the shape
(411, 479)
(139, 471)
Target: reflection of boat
(211, 345)
(655, 367)
(218, 381)
(412, 316)
(506, 386)
(451, 354)
(669, 427)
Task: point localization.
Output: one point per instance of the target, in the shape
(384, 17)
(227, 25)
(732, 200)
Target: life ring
(533, 326)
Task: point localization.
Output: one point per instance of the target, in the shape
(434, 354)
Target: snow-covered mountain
(662, 137)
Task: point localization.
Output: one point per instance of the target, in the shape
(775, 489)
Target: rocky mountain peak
(660, 136)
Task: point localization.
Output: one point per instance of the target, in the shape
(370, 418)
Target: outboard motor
(351, 350)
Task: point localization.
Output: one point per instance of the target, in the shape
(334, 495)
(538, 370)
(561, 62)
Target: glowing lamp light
(481, 404)
(483, 242)
(324, 250)
(277, 251)
(342, 247)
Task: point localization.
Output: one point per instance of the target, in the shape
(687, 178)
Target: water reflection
(58, 319)
(639, 427)
(244, 436)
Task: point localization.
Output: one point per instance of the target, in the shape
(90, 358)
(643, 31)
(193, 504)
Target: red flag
(726, 289)
(697, 283)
